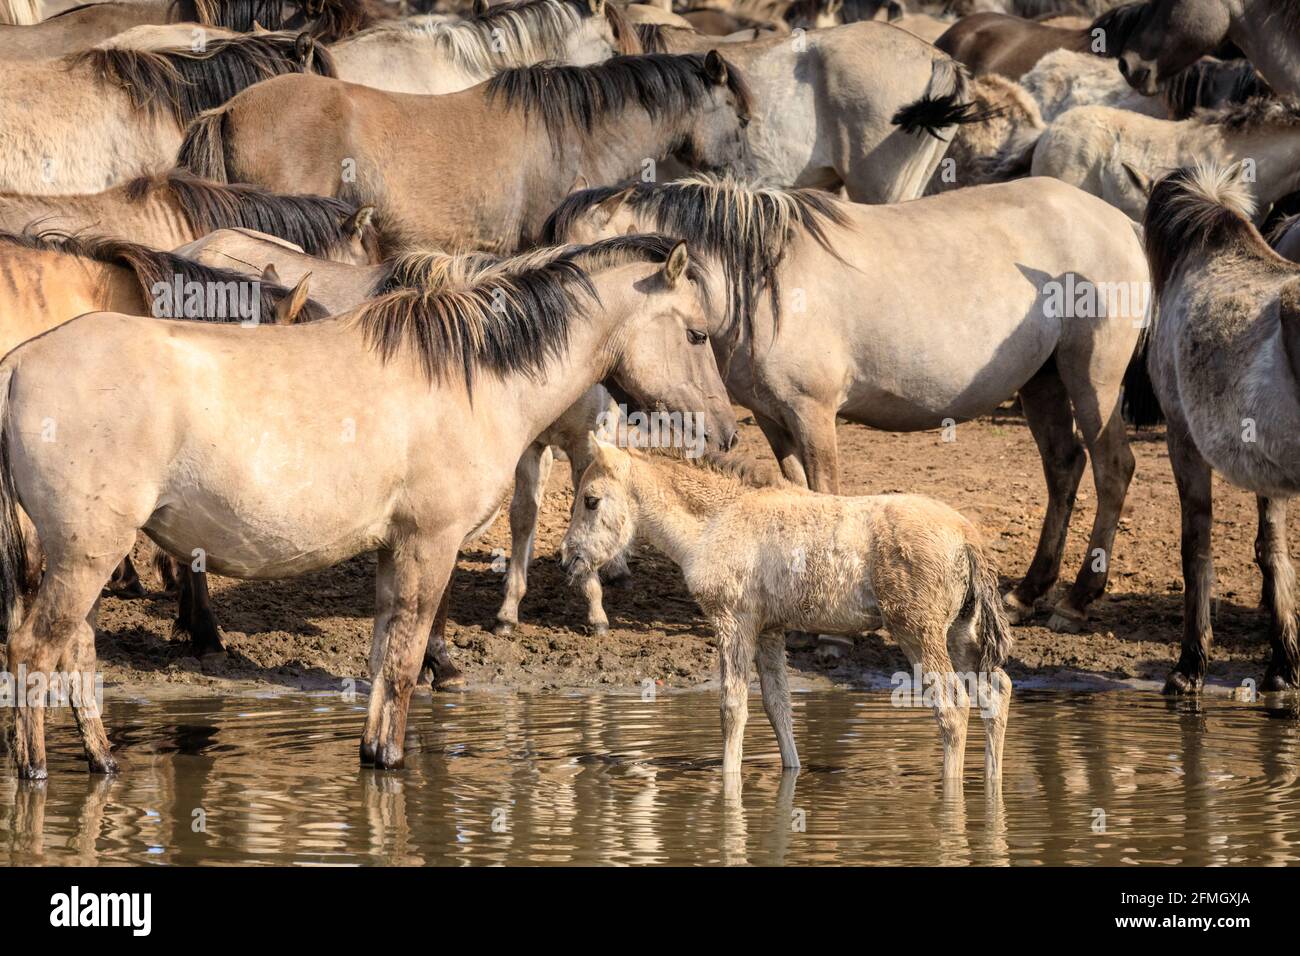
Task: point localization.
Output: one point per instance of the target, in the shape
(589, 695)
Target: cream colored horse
(761, 561)
(826, 310)
(92, 120)
(1114, 154)
(432, 55)
(279, 450)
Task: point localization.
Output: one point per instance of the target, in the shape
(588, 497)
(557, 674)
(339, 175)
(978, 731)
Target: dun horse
(830, 309)
(1224, 357)
(523, 139)
(173, 208)
(379, 415)
(911, 560)
(98, 118)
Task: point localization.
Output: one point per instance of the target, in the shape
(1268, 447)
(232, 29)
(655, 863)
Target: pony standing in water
(764, 560)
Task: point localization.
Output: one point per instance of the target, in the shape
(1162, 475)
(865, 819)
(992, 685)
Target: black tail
(993, 635)
(945, 103)
(1140, 405)
(13, 553)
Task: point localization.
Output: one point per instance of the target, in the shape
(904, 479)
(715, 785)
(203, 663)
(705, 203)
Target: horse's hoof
(130, 591)
(1016, 610)
(32, 772)
(800, 640)
(107, 765)
(367, 754)
(833, 648)
(389, 758)
(504, 628)
(1178, 684)
(598, 630)
(1065, 621)
(620, 580)
(212, 655)
(1276, 680)
(452, 681)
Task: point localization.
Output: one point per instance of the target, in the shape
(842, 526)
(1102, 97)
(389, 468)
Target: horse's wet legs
(79, 660)
(1273, 555)
(530, 486)
(420, 574)
(1047, 411)
(736, 640)
(439, 669)
(776, 694)
(1192, 474)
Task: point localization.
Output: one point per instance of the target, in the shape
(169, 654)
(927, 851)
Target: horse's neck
(1274, 152)
(619, 145)
(672, 514)
(1273, 50)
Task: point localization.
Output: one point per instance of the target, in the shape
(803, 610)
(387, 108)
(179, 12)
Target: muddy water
(554, 779)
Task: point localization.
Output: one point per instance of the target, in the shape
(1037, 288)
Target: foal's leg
(1047, 411)
(1273, 556)
(194, 614)
(994, 692)
(420, 573)
(530, 487)
(736, 639)
(776, 694)
(1112, 470)
(1193, 476)
(925, 643)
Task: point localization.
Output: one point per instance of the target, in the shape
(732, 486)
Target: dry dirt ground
(314, 632)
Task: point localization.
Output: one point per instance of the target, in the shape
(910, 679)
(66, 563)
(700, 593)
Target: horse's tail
(945, 103)
(1140, 404)
(203, 150)
(13, 551)
(992, 634)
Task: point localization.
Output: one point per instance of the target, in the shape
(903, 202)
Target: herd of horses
(287, 281)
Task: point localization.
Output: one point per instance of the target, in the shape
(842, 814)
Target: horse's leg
(125, 580)
(783, 447)
(1273, 556)
(79, 659)
(1047, 411)
(1192, 474)
(925, 645)
(420, 573)
(530, 487)
(736, 639)
(194, 614)
(813, 426)
(439, 669)
(993, 692)
(1112, 470)
(56, 619)
(776, 694)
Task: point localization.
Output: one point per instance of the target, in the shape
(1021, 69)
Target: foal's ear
(597, 7)
(1138, 178)
(290, 307)
(360, 221)
(715, 67)
(609, 457)
(270, 276)
(676, 264)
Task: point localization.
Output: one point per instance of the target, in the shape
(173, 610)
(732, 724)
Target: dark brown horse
(1010, 46)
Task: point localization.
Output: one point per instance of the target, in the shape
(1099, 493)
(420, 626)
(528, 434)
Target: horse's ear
(481, 7)
(304, 48)
(360, 221)
(597, 7)
(270, 276)
(715, 67)
(896, 11)
(258, 28)
(579, 184)
(291, 306)
(606, 208)
(1138, 178)
(675, 267)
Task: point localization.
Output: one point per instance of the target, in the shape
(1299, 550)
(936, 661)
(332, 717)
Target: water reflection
(603, 778)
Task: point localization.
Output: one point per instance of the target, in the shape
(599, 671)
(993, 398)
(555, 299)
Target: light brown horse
(92, 120)
(379, 415)
(522, 140)
(89, 25)
(173, 208)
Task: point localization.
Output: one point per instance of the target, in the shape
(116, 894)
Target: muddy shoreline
(313, 633)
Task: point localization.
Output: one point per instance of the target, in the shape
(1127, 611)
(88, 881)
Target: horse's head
(1169, 36)
(663, 358)
(716, 139)
(603, 523)
(361, 246)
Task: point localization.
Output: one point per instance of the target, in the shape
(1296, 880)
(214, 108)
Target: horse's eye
(697, 337)
(591, 501)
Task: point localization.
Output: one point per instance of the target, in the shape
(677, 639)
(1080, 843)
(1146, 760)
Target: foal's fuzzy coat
(763, 560)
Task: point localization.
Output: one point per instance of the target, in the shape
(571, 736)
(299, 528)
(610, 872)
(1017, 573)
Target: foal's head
(1168, 37)
(604, 520)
